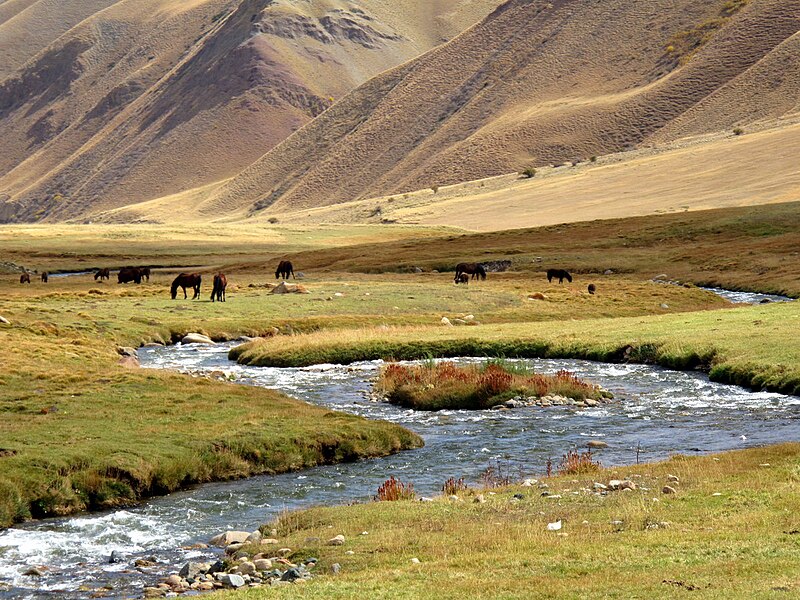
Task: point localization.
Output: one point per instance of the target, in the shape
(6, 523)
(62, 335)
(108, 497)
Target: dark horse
(561, 274)
(144, 273)
(24, 278)
(102, 274)
(44, 276)
(284, 270)
(475, 269)
(220, 283)
(462, 278)
(128, 274)
(187, 280)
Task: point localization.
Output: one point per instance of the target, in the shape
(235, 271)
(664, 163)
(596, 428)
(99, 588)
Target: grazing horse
(592, 288)
(218, 291)
(144, 273)
(25, 278)
(102, 274)
(561, 274)
(128, 274)
(186, 280)
(461, 278)
(475, 269)
(284, 269)
(44, 276)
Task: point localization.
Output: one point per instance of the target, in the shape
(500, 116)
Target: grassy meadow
(81, 431)
(731, 530)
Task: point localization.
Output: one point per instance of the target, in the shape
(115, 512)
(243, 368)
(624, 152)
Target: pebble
(335, 568)
(673, 478)
(415, 561)
(479, 499)
(667, 489)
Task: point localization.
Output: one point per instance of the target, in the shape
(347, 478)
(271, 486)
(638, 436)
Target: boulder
(446, 322)
(262, 564)
(174, 581)
(668, 489)
(127, 351)
(336, 541)
(231, 580)
(673, 478)
(129, 362)
(34, 572)
(229, 537)
(197, 338)
(192, 569)
(247, 568)
(254, 538)
(289, 288)
(293, 574)
(594, 444)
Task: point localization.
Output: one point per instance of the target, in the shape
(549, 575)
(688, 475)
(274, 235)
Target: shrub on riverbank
(445, 385)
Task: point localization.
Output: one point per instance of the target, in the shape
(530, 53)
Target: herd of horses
(193, 281)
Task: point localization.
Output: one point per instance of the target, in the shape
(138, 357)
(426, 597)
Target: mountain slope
(535, 83)
(136, 99)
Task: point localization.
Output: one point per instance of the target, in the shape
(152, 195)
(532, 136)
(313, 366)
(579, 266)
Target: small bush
(578, 463)
(453, 486)
(528, 173)
(738, 131)
(272, 220)
(495, 476)
(435, 189)
(593, 159)
(393, 489)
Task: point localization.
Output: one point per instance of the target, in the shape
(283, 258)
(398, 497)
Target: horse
(284, 269)
(144, 272)
(561, 274)
(592, 288)
(128, 274)
(25, 278)
(44, 276)
(461, 278)
(102, 274)
(218, 291)
(186, 280)
(475, 269)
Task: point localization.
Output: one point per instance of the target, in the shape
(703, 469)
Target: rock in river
(197, 338)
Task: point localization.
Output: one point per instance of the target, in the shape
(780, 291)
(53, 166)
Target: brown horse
(44, 276)
(559, 274)
(102, 274)
(475, 269)
(25, 278)
(284, 269)
(128, 274)
(462, 278)
(218, 291)
(187, 280)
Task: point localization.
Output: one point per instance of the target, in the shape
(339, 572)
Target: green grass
(639, 544)
(750, 346)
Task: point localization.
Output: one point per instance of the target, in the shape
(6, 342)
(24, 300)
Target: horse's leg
(184, 292)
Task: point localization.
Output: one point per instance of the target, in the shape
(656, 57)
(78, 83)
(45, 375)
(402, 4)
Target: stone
(143, 562)
(268, 541)
(459, 322)
(129, 362)
(446, 322)
(232, 580)
(197, 338)
(217, 567)
(233, 548)
(668, 489)
(127, 351)
(415, 561)
(262, 564)
(537, 296)
(154, 592)
(614, 484)
(336, 541)
(284, 551)
(174, 581)
(673, 478)
(417, 270)
(254, 538)
(34, 572)
(247, 568)
(530, 482)
(599, 486)
(479, 499)
(661, 277)
(229, 537)
(595, 444)
(627, 485)
(114, 557)
(664, 305)
(292, 575)
(513, 403)
(192, 569)
(300, 275)
(5, 321)
(335, 568)
(591, 402)
(289, 288)
(469, 318)
(608, 272)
